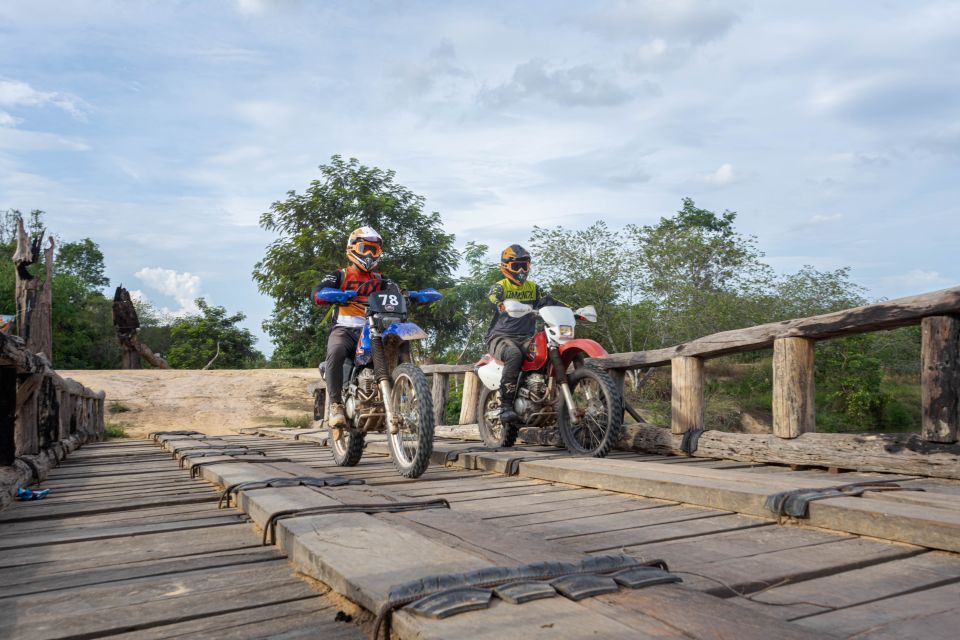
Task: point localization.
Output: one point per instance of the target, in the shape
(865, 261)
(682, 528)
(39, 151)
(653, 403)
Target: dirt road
(214, 402)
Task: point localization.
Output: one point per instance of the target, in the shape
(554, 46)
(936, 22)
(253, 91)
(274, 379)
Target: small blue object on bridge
(30, 494)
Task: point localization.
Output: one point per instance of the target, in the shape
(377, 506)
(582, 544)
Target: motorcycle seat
(487, 358)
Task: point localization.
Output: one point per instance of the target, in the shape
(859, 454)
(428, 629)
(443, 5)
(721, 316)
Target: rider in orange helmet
(364, 249)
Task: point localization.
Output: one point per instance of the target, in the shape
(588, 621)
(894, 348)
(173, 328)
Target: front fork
(560, 371)
(384, 381)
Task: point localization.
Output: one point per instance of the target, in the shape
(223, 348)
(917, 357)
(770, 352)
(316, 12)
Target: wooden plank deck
(731, 556)
(127, 546)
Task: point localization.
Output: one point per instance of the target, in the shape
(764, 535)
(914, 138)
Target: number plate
(387, 300)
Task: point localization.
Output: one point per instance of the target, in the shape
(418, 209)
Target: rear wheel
(411, 405)
(494, 433)
(598, 408)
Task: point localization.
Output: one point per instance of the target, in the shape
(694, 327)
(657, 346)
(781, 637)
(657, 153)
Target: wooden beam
(686, 398)
(471, 395)
(793, 387)
(440, 390)
(885, 452)
(885, 315)
(8, 414)
(940, 378)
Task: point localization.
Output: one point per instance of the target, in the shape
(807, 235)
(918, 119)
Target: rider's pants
(341, 344)
(510, 350)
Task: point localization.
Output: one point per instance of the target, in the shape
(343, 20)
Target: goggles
(519, 265)
(362, 248)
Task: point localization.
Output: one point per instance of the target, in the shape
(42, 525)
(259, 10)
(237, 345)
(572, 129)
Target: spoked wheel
(411, 404)
(598, 408)
(494, 432)
(348, 450)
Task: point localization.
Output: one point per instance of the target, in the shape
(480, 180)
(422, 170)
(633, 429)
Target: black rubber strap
(221, 452)
(690, 440)
(195, 467)
(284, 481)
(796, 502)
(513, 464)
(491, 577)
(270, 526)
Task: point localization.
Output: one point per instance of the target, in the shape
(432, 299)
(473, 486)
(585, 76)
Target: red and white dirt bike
(584, 403)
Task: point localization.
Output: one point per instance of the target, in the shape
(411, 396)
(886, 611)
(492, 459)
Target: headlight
(566, 331)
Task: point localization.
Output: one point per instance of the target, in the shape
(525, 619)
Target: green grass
(300, 422)
(115, 430)
(118, 407)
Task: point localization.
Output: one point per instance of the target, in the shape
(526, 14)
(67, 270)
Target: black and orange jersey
(351, 314)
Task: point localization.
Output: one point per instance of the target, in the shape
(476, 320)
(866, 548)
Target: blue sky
(163, 129)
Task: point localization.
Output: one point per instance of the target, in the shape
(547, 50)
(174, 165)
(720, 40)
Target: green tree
(312, 230)
(84, 261)
(195, 340)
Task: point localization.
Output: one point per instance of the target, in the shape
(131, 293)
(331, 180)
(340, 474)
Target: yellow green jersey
(502, 324)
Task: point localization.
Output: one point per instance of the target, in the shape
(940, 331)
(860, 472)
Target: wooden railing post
(793, 387)
(440, 390)
(471, 394)
(686, 397)
(8, 415)
(940, 378)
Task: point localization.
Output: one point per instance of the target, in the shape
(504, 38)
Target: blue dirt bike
(383, 389)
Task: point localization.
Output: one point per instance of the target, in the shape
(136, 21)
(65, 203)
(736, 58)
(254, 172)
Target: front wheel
(494, 433)
(411, 405)
(598, 408)
(348, 450)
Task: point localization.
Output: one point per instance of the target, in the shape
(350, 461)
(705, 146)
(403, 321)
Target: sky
(162, 130)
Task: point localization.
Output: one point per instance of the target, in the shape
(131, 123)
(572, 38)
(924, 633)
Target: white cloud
(14, 93)
(919, 280)
(257, 7)
(696, 21)
(823, 219)
(722, 177)
(265, 114)
(182, 287)
(7, 120)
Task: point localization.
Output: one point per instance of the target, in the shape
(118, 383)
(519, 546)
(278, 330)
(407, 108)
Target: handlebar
(330, 295)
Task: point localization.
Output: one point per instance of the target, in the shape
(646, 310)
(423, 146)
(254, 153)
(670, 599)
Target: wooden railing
(794, 439)
(42, 415)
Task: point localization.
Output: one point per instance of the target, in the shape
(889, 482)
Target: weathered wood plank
(746, 493)
(440, 386)
(470, 397)
(878, 619)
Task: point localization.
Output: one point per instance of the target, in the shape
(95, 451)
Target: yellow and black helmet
(364, 248)
(515, 264)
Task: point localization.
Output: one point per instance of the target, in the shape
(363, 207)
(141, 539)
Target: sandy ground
(214, 402)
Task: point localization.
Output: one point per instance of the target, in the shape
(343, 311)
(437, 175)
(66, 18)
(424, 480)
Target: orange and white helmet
(364, 248)
(515, 264)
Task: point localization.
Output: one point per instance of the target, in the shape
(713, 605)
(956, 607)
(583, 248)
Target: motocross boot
(508, 394)
(337, 419)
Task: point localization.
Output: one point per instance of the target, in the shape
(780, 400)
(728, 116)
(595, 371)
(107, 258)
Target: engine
(362, 392)
(531, 396)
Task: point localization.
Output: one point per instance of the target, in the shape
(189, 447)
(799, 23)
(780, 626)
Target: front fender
(405, 331)
(570, 349)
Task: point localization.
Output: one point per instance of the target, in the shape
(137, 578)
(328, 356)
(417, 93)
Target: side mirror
(587, 313)
(515, 308)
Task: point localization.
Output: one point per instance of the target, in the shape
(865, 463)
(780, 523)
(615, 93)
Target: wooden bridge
(857, 539)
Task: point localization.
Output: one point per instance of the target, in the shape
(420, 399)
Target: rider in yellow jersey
(509, 338)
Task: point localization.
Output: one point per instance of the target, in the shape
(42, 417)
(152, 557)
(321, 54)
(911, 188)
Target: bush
(115, 430)
(300, 422)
